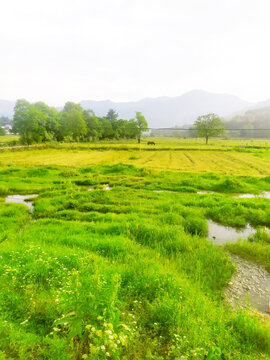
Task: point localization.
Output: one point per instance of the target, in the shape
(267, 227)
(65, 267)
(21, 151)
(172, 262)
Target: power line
(182, 129)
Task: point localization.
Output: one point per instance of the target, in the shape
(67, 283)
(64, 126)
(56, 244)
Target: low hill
(171, 111)
(256, 122)
(161, 111)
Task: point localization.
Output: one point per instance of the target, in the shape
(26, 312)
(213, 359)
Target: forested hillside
(254, 124)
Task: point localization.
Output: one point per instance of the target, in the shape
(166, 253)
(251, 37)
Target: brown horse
(151, 143)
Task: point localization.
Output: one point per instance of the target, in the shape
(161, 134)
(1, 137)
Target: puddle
(161, 191)
(250, 285)
(265, 194)
(205, 192)
(106, 187)
(21, 199)
(220, 234)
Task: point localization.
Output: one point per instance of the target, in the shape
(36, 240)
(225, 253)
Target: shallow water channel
(104, 187)
(220, 234)
(249, 286)
(22, 199)
(265, 194)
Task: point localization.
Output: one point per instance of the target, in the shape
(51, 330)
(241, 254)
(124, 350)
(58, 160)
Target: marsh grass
(127, 273)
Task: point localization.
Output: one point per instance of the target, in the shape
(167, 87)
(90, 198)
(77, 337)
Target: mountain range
(166, 111)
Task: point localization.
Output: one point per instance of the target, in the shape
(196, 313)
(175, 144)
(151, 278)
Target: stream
(249, 285)
(220, 234)
(22, 199)
(265, 194)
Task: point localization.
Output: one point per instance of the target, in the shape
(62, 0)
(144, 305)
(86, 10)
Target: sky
(122, 50)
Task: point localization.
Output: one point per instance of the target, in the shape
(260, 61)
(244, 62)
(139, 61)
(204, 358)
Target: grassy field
(235, 158)
(128, 273)
(8, 138)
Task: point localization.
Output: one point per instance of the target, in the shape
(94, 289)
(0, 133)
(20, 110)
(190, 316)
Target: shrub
(195, 225)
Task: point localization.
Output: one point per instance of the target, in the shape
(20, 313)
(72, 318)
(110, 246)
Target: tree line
(251, 124)
(38, 122)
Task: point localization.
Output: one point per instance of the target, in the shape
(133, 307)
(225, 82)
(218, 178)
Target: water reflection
(220, 234)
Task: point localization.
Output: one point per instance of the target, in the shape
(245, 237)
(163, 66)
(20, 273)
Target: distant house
(7, 128)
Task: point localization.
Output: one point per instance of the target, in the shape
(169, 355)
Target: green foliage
(38, 122)
(73, 124)
(126, 273)
(141, 125)
(253, 122)
(2, 130)
(196, 226)
(208, 126)
(29, 122)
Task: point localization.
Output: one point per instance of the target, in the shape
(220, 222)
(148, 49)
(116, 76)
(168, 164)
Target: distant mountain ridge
(164, 111)
(170, 111)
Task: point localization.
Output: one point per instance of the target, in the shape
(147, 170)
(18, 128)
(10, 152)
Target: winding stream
(22, 199)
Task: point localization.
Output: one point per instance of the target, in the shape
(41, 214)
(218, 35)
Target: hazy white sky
(59, 50)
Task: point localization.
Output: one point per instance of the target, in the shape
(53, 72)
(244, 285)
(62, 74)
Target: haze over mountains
(171, 111)
(166, 111)
(6, 108)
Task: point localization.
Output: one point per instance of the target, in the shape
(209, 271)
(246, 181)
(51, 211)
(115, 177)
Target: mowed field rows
(223, 162)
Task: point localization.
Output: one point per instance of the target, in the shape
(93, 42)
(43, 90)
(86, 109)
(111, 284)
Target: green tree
(52, 124)
(73, 124)
(131, 129)
(141, 125)
(112, 115)
(107, 130)
(29, 122)
(209, 125)
(2, 130)
(71, 105)
(94, 130)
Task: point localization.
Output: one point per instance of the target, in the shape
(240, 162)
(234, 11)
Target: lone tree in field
(141, 125)
(209, 125)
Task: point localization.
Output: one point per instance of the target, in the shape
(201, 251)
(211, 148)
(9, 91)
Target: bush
(195, 225)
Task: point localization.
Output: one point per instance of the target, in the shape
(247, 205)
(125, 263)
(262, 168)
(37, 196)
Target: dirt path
(250, 284)
(21, 147)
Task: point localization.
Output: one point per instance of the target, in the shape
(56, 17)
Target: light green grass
(8, 138)
(126, 273)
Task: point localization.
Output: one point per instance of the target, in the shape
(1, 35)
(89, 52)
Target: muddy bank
(250, 285)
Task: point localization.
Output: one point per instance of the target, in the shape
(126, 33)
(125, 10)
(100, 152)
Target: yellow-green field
(235, 158)
(8, 138)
